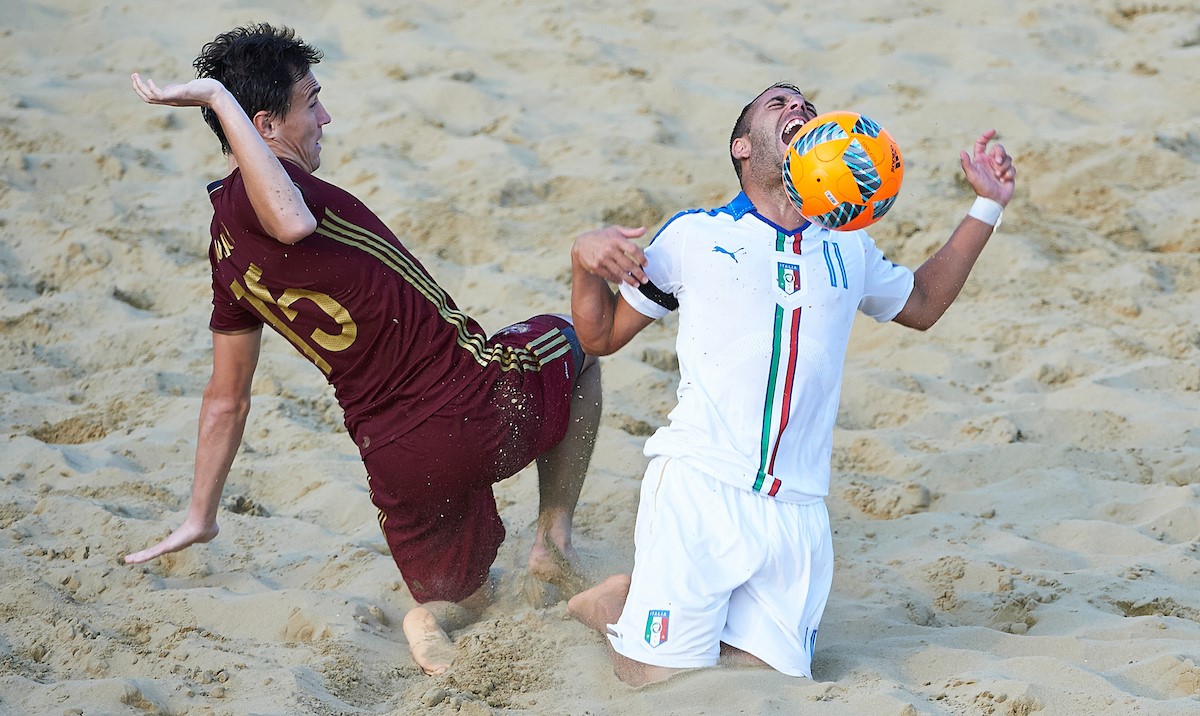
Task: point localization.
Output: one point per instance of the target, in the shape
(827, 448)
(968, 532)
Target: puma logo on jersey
(731, 254)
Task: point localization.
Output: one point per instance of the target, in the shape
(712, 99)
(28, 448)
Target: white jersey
(764, 320)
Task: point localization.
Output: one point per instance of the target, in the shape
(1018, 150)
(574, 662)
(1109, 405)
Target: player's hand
(610, 254)
(184, 536)
(197, 93)
(989, 170)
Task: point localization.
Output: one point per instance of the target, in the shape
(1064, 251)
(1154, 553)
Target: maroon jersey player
(439, 411)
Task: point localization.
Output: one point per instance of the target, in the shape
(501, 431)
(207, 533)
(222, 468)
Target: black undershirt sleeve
(662, 298)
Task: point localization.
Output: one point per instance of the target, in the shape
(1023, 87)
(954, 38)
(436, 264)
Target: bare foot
(556, 566)
(429, 644)
(601, 605)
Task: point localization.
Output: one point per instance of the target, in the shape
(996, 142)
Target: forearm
(938, 281)
(222, 424)
(603, 321)
(593, 308)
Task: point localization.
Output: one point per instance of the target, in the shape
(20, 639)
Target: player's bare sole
(601, 605)
(430, 646)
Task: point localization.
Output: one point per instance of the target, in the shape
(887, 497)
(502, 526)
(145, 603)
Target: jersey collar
(741, 205)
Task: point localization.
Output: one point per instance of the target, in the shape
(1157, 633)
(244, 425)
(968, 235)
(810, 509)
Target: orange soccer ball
(842, 171)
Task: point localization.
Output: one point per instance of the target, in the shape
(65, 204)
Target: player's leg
(552, 419)
(600, 606)
(561, 471)
(776, 614)
(427, 627)
(443, 535)
(690, 553)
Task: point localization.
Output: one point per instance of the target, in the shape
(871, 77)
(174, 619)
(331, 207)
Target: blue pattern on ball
(867, 126)
(862, 169)
(817, 135)
(881, 207)
(840, 216)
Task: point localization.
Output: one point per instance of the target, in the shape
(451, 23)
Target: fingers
(147, 554)
(982, 142)
(994, 158)
(634, 258)
(623, 256)
(1002, 164)
(174, 542)
(139, 86)
(624, 267)
(146, 89)
(611, 254)
(184, 536)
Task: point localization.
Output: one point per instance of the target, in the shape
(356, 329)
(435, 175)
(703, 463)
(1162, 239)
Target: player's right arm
(277, 200)
(604, 322)
(223, 414)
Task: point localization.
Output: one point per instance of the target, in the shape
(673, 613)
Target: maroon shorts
(433, 485)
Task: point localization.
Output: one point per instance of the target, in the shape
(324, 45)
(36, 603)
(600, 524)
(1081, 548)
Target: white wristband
(986, 210)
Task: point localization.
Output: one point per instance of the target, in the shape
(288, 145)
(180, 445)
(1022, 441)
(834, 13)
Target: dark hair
(742, 126)
(258, 64)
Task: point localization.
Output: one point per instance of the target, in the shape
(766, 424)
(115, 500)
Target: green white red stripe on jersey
(778, 399)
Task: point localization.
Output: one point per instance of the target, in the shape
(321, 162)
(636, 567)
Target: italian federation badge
(656, 626)
(787, 276)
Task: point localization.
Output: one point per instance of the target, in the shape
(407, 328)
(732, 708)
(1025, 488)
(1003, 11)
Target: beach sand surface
(1014, 496)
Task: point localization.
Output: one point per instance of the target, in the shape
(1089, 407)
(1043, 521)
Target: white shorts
(717, 563)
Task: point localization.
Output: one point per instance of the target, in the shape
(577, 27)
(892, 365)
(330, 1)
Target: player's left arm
(990, 172)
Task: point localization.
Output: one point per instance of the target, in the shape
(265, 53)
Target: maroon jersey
(358, 305)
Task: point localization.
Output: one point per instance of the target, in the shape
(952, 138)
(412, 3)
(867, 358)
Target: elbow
(916, 320)
(920, 323)
(295, 231)
(595, 349)
(594, 337)
(921, 311)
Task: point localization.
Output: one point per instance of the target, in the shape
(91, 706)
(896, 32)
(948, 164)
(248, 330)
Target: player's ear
(740, 149)
(264, 123)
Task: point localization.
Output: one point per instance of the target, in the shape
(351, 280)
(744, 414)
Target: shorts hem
(787, 669)
(666, 663)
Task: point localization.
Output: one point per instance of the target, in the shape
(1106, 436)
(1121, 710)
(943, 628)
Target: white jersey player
(733, 551)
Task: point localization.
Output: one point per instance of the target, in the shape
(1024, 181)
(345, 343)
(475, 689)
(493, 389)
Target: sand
(1015, 491)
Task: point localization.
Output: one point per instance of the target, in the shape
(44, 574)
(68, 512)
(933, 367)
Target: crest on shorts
(656, 626)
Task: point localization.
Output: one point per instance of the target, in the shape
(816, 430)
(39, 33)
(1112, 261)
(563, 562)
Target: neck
(775, 206)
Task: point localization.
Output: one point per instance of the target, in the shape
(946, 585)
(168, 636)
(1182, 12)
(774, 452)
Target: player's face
(297, 136)
(779, 114)
(776, 116)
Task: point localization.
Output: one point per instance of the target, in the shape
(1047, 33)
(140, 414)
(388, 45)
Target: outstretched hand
(989, 170)
(184, 536)
(610, 254)
(197, 93)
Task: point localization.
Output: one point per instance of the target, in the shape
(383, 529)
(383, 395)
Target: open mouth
(791, 129)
